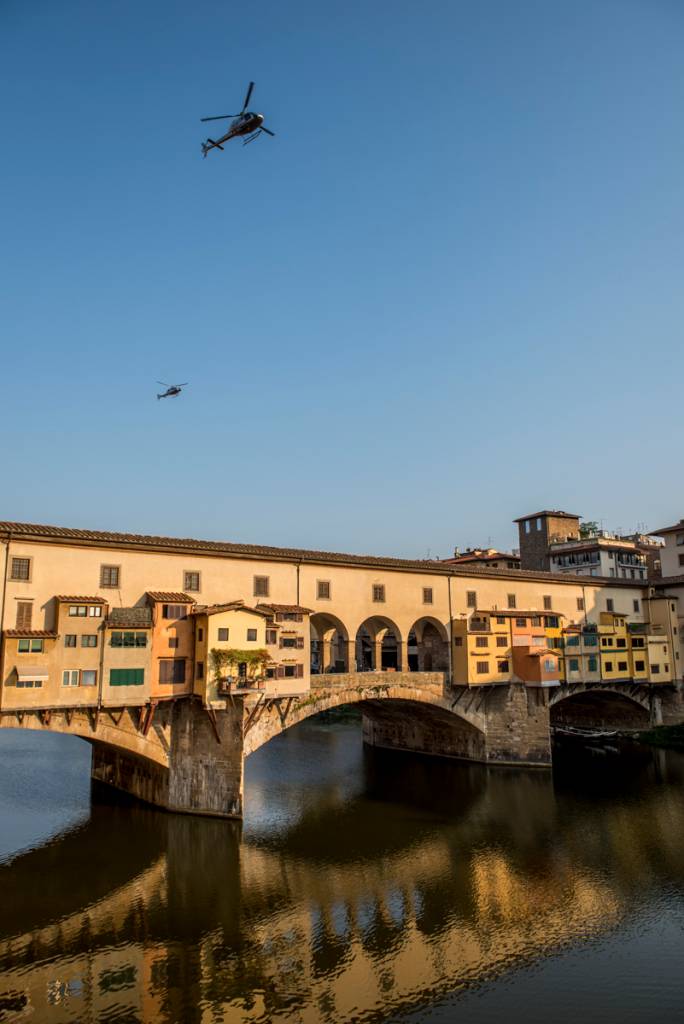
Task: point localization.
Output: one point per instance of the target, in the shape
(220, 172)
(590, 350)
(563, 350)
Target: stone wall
(205, 769)
(518, 730)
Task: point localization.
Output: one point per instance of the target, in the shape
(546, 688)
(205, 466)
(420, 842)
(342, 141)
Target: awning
(32, 672)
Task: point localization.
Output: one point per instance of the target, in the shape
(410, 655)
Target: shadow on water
(393, 882)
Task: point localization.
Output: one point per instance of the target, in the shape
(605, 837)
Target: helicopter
(244, 123)
(171, 389)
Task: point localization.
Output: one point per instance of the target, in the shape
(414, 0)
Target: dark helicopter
(171, 389)
(245, 123)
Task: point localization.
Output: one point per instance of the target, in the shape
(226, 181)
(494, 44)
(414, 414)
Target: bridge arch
(329, 644)
(379, 645)
(427, 644)
(422, 708)
(602, 707)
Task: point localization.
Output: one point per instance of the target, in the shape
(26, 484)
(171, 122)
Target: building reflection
(401, 896)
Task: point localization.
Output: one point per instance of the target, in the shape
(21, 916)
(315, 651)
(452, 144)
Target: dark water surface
(364, 886)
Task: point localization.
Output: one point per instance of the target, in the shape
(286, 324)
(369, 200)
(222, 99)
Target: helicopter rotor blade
(247, 97)
(220, 117)
(267, 130)
(163, 384)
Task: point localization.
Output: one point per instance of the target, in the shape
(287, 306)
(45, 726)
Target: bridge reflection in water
(381, 891)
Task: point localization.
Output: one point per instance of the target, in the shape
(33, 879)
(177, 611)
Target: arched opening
(599, 710)
(329, 644)
(379, 646)
(428, 646)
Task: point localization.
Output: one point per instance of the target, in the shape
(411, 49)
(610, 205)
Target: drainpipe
(299, 565)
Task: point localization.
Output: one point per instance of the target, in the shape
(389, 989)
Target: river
(364, 885)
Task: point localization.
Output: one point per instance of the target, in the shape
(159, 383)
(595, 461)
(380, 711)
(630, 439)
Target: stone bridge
(184, 757)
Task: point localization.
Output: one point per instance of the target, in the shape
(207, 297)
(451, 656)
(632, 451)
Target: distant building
(489, 558)
(537, 532)
(554, 541)
(672, 552)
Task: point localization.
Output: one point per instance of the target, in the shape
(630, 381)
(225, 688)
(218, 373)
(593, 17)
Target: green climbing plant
(224, 662)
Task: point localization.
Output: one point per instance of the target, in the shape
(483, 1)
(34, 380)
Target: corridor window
(635, 604)
(323, 590)
(482, 667)
(378, 592)
(191, 582)
(427, 595)
(24, 614)
(609, 604)
(261, 586)
(110, 575)
(89, 640)
(21, 569)
(251, 634)
(547, 602)
(580, 604)
(223, 633)
(511, 600)
(471, 598)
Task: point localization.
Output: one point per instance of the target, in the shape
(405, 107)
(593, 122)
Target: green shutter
(126, 676)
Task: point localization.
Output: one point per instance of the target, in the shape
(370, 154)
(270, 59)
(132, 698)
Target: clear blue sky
(447, 293)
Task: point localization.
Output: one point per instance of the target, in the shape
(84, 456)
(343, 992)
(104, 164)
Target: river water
(364, 886)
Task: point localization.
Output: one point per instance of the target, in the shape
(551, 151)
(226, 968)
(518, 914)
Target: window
(80, 610)
(70, 677)
(551, 621)
(110, 575)
(378, 592)
(24, 614)
(655, 670)
(427, 595)
(680, 539)
(223, 633)
(288, 641)
(199, 670)
(323, 590)
(251, 634)
(200, 634)
(573, 664)
(681, 559)
(30, 645)
(511, 600)
(95, 611)
(21, 569)
(28, 684)
(191, 582)
(502, 641)
(620, 642)
(126, 676)
(174, 611)
(458, 641)
(547, 603)
(528, 525)
(521, 623)
(638, 641)
(471, 599)
(173, 641)
(293, 671)
(639, 666)
(88, 677)
(609, 604)
(482, 667)
(622, 666)
(606, 641)
(573, 640)
(500, 620)
(129, 639)
(635, 604)
(271, 636)
(536, 621)
(539, 523)
(290, 617)
(261, 586)
(69, 639)
(89, 640)
(502, 666)
(481, 641)
(172, 671)
(593, 663)
(580, 604)
(609, 666)
(549, 665)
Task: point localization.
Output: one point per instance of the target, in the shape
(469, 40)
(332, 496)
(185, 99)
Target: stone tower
(536, 532)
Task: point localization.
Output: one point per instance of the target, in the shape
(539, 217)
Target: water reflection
(364, 885)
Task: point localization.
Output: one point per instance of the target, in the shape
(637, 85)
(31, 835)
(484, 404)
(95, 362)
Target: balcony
(478, 626)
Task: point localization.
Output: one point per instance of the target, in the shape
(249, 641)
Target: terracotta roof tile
(237, 606)
(80, 600)
(170, 597)
(46, 633)
(136, 618)
(285, 608)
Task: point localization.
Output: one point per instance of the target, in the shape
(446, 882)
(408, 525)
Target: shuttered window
(547, 602)
(511, 600)
(482, 667)
(21, 569)
(126, 676)
(191, 582)
(251, 634)
(379, 592)
(24, 613)
(109, 575)
(172, 671)
(471, 599)
(223, 633)
(427, 595)
(261, 586)
(323, 590)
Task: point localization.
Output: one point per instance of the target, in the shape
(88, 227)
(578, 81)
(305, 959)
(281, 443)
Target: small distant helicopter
(245, 123)
(171, 389)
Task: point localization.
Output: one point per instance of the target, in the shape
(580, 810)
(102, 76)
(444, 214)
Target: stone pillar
(351, 655)
(402, 659)
(206, 763)
(326, 655)
(518, 725)
(377, 655)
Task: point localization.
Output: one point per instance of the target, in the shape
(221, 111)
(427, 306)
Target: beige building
(357, 612)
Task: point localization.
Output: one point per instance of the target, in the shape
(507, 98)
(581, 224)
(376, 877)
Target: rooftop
(79, 600)
(170, 597)
(678, 527)
(556, 513)
(105, 539)
(22, 633)
(139, 617)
